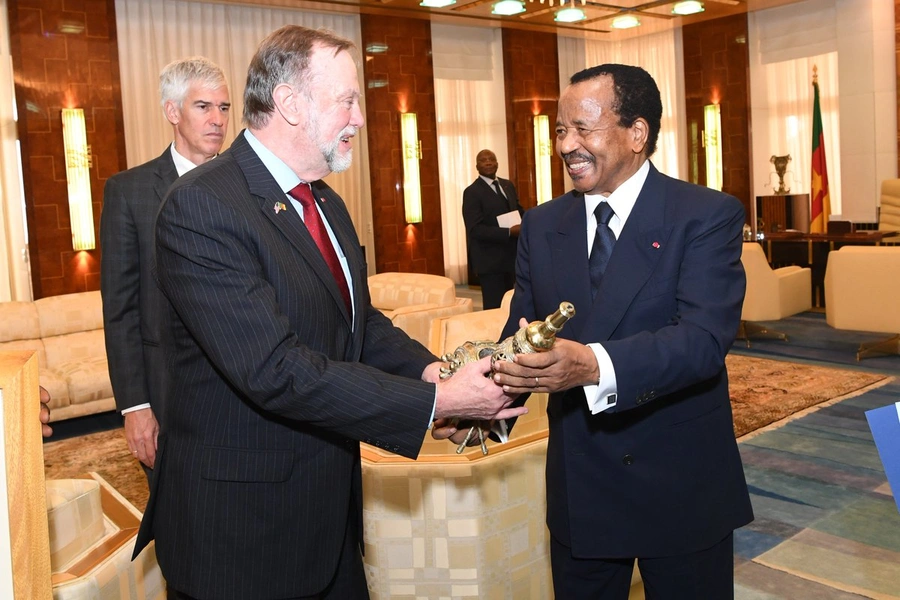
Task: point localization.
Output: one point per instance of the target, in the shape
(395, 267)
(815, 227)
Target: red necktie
(303, 194)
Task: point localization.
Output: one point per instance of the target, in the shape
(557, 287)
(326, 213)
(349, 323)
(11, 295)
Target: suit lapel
(635, 255)
(569, 260)
(275, 206)
(166, 173)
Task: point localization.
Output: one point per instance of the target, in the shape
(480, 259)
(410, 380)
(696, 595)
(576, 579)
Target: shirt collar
(284, 176)
(623, 198)
(182, 164)
(488, 180)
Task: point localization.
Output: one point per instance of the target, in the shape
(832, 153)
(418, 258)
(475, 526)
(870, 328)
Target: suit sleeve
(480, 225)
(709, 290)
(120, 277)
(210, 266)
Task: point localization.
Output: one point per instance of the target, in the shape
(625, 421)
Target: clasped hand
(471, 395)
(566, 365)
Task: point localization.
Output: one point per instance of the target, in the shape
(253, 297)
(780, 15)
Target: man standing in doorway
(491, 246)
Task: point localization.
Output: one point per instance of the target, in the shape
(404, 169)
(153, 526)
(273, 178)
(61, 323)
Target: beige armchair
(861, 291)
(772, 294)
(448, 333)
(412, 300)
(889, 211)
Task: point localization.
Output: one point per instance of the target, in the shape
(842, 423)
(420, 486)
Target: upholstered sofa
(861, 292)
(66, 332)
(412, 300)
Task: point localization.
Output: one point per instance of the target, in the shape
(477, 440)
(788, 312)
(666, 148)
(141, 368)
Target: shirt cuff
(602, 395)
(135, 408)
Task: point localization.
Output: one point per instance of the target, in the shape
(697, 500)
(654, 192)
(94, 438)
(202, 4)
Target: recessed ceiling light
(569, 15)
(508, 7)
(688, 7)
(436, 3)
(625, 22)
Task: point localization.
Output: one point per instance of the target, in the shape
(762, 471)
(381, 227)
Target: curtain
(15, 275)
(661, 55)
(468, 83)
(152, 33)
(781, 69)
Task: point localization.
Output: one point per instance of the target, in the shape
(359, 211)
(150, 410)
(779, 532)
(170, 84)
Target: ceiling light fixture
(570, 14)
(625, 22)
(508, 7)
(561, 2)
(688, 7)
(436, 3)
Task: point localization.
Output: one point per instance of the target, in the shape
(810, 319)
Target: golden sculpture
(537, 336)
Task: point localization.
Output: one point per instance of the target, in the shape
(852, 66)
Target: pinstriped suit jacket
(271, 391)
(131, 299)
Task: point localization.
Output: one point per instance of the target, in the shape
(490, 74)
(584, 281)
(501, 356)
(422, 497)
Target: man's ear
(289, 103)
(640, 132)
(173, 112)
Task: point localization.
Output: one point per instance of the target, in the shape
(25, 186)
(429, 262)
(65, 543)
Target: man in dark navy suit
(491, 246)
(279, 364)
(641, 461)
(194, 97)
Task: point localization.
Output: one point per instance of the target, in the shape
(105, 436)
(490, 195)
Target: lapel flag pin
(279, 206)
(655, 245)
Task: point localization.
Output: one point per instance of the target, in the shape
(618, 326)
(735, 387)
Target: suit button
(627, 459)
(640, 400)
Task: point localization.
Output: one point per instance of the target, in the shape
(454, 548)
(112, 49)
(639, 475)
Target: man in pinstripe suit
(194, 98)
(276, 374)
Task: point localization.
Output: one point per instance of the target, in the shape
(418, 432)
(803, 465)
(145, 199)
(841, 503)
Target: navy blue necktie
(604, 240)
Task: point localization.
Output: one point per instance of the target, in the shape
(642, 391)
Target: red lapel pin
(655, 245)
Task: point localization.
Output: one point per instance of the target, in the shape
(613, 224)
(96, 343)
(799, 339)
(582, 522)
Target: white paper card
(509, 219)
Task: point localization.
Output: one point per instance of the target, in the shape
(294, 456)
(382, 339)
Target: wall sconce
(542, 151)
(412, 154)
(712, 141)
(78, 175)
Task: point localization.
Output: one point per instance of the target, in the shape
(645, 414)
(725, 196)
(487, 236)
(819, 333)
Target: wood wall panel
(531, 73)
(717, 70)
(405, 68)
(64, 56)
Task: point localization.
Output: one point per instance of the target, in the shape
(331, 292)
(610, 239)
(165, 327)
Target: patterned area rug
(763, 391)
(826, 524)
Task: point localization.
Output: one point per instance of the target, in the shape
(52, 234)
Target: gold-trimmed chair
(772, 294)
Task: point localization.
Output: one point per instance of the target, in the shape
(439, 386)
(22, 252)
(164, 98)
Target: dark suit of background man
(194, 97)
(641, 461)
(492, 249)
(279, 363)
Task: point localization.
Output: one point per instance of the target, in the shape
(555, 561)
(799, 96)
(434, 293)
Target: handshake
(467, 392)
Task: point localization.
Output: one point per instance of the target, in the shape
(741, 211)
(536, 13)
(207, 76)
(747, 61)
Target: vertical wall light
(78, 175)
(542, 150)
(412, 154)
(712, 141)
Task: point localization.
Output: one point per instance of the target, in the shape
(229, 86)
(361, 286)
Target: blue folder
(885, 425)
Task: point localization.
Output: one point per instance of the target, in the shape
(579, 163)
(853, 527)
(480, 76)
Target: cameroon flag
(821, 203)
